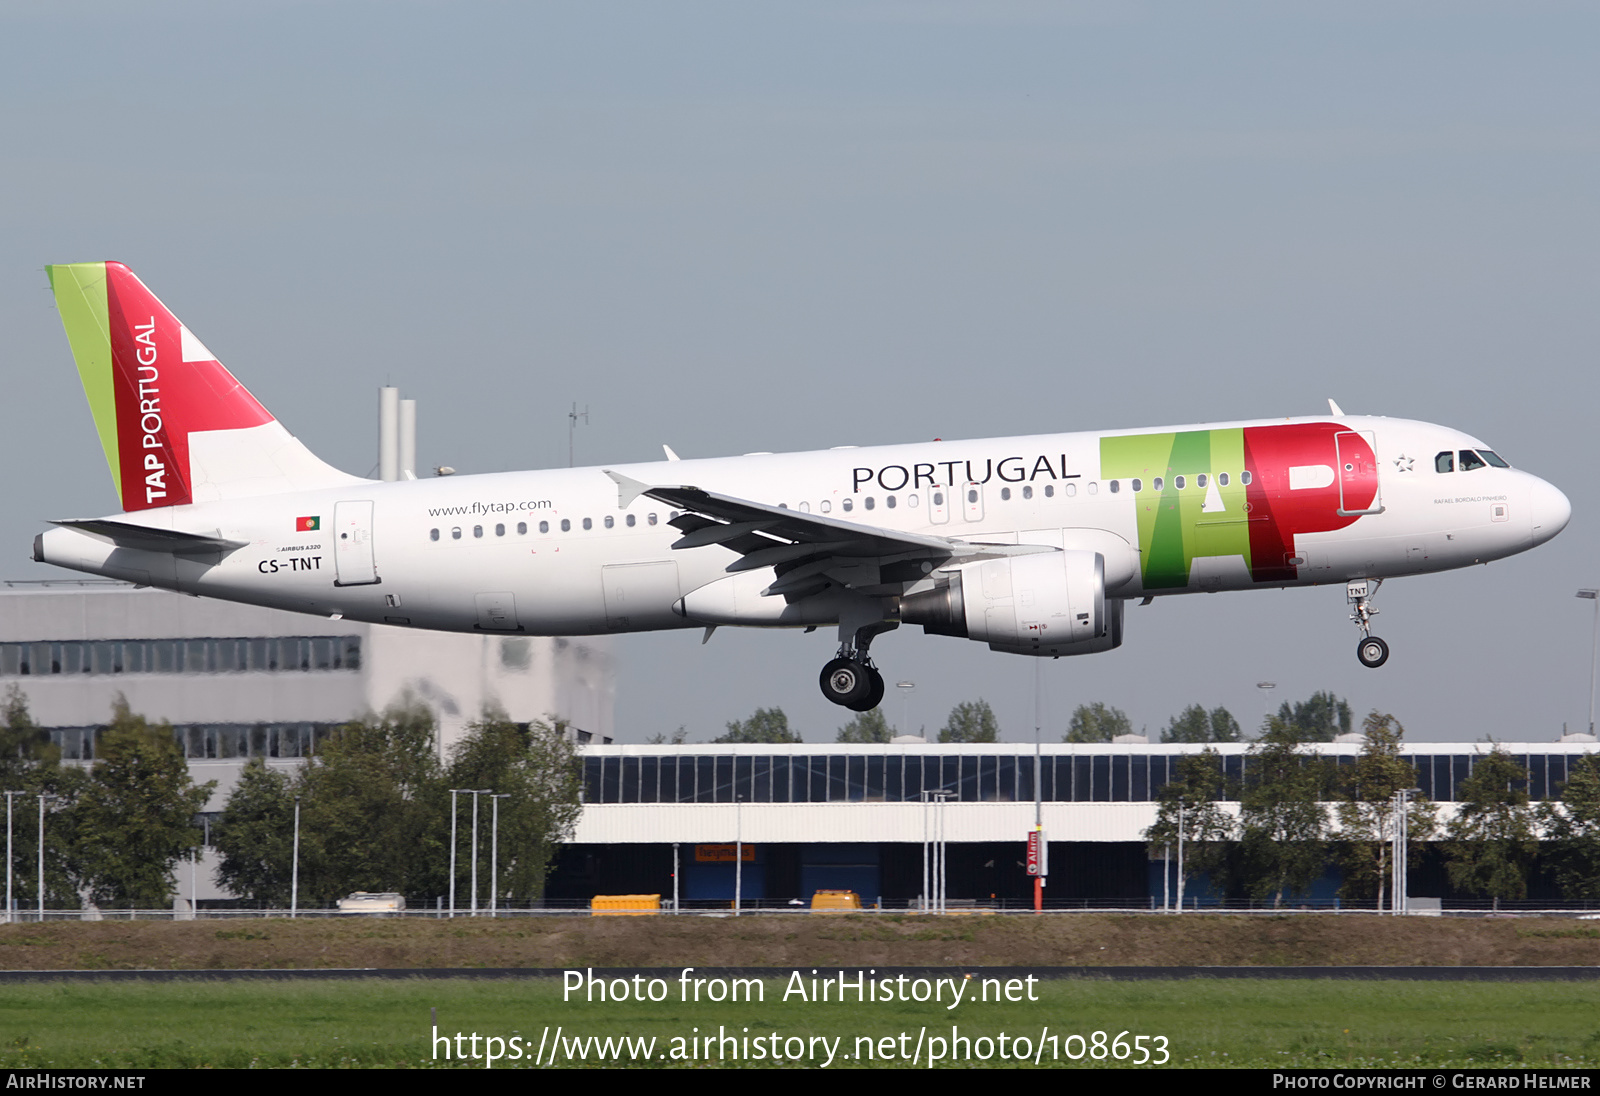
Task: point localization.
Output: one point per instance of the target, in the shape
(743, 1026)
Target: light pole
(905, 688)
(494, 854)
(294, 877)
(43, 796)
(1402, 835)
(474, 792)
(1266, 688)
(9, 864)
(1594, 654)
(453, 793)
(738, 853)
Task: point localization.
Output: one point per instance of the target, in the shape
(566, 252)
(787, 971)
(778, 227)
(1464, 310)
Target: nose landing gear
(1371, 651)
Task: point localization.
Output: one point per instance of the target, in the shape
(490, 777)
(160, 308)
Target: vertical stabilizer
(175, 425)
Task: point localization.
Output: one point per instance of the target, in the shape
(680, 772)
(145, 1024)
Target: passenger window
(433, 534)
(522, 528)
(611, 522)
(499, 529)
(1027, 492)
(1115, 487)
(805, 508)
(544, 527)
(651, 520)
(631, 520)
(588, 523)
(972, 495)
(889, 502)
(1244, 477)
(1445, 462)
(1071, 489)
(1005, 494)
(938, 498)
(477, 530)
(1136, 483)
(1050, 490)
(911, 501)
(1222, 479)
(566, 525)
(1094, 488)
(825, 506)
(1200, 480)
(848, 505)
(1177, 481)
(870, 503)
(1155, 484)
(455, 534)
(1470, 461)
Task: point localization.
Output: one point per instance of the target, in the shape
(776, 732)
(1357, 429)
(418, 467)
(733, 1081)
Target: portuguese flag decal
(307, 525)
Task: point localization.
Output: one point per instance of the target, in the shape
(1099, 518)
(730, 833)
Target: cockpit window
(1445, 462)
(1493, 458)
(1470, 461)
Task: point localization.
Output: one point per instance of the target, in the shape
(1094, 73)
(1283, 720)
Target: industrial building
(820, 817)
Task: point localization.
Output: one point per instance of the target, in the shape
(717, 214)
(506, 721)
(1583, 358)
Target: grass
(385, 1023)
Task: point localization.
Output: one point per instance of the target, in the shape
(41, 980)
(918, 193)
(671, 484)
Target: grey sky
(733, 227)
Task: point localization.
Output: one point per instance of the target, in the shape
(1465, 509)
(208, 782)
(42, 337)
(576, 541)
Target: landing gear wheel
(846, 682)
(1373, 652)
(874, 695)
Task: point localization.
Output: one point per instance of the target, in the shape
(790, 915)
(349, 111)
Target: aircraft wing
(809, 551)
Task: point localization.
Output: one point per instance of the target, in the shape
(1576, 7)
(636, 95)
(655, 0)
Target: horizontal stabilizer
(145, 539)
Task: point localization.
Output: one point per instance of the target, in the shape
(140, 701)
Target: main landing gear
(851, 680)
(1371, 651)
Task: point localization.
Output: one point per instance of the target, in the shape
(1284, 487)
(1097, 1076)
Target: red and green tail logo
(150, 382)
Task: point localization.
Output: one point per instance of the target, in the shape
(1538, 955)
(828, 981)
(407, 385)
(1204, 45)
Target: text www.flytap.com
(914, 1048)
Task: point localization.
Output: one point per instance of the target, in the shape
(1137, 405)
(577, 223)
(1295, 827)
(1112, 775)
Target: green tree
(1319, 719)
(767, 725)
(1572, 830)
(972, 721)
(135, 817)
(254, 836)
(1282, 823)
(1207, 828)
(1491, 841)
(536, 768)
(1195, 724)
(677, 738)
(1366, 815)
(1096, 723)
(30, 766)
(866, 727)
(373, 810)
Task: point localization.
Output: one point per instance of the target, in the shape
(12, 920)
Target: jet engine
(1049, 604)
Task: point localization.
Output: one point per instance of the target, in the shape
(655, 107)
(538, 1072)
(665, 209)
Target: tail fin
(175, 425)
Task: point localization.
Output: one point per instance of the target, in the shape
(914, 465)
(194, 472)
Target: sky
(734, 227)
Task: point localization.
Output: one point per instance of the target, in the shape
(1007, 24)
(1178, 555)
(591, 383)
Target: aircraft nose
(1548, 509)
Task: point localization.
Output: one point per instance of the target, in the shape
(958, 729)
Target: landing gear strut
(851, 680)
(1371, 651)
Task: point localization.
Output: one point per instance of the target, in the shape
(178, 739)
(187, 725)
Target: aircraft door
(1357, 469)
(352, 545)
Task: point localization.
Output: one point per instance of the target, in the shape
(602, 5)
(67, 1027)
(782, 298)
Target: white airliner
(1029, 544)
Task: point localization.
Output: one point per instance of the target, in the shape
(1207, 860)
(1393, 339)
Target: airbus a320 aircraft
(1029, 544)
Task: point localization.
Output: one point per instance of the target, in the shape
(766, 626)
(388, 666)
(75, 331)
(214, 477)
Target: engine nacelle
(1048, 604)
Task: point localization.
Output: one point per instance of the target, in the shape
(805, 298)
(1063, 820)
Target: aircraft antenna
(572, 428)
